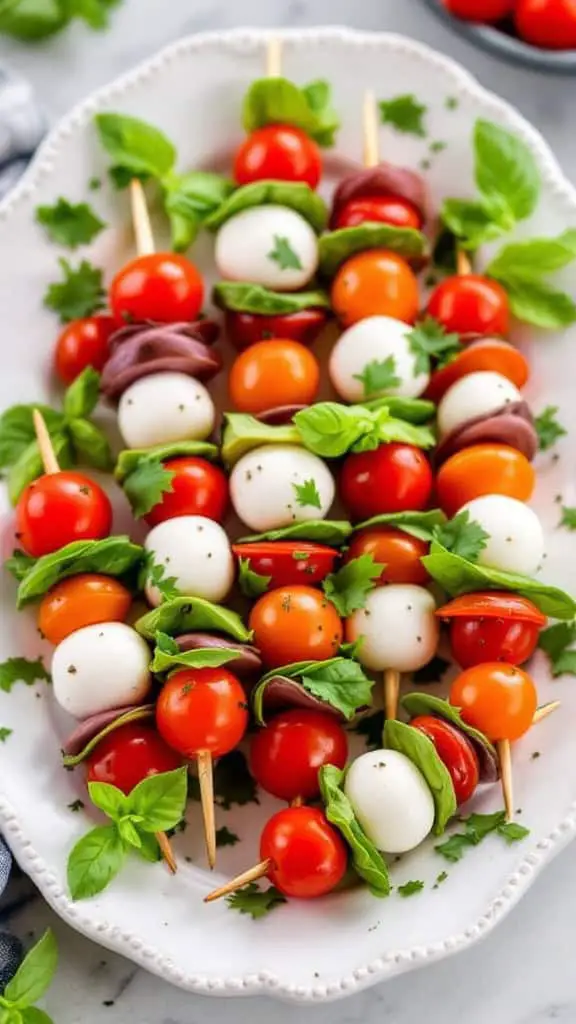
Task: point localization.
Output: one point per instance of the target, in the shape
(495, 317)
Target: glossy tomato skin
(471, 304)
(59, 508)
(485, 354)
(455, 751)
(286, 756)
(547, 23)
(392, 478)
(375, 283)
(202, 709)
(492, 604)
(198, 489)
(278, 152)
(273, 373)
(380, 210)
(245, 329)
(163, 286)
(295, 623)
(82, 601)
(83, 343)
(474, 641)
(128, 755)
(288, 562)
(483, 469)
(307, 855)
(480, 10)
(498, 699)
(399, 552)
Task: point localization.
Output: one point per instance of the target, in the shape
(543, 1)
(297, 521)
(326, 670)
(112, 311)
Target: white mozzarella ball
(391, 800)
(515, 536)
(100, 667)
(375, 340)
(165, 407)
(399, 628)
(269, 245)
(267, 487)
(476, 394)
(196, 552)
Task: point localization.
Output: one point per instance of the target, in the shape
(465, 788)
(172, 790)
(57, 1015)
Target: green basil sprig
(202, 657)
(33, 20)
(295, 194)
(112, 556)
(339, 682)
(522, 268)
(334, 532)
(29, 984)
(242, 433)
(155, 805)
(413, 410)
(367, 860)
(330, 430)
(145, 478)
(245, 297)
(422, 752)
(189, 614)
(279, 101)
(417, 524)
(338, 246)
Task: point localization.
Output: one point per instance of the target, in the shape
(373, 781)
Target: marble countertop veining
(523, 973)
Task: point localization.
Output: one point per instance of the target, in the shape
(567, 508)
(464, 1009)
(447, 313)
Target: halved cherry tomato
(455, 751)
(498, 699)
(286, 756)
(471, 305)
(493, 604)
(380, 210)
(82, 601)
(547, 23)
(483, 469)
(307, 855)
(273, 373)
(474, 641)
(278, 152)
(202, 709)
(375, 283)
(392, 478)
(245, 329)
(129, 754)
(59, 508)
(288, 562)
(295, 624)
(397, 551)
(83, 343)
(161, 286)
(484, 354)
(479, 10)
(198, 489)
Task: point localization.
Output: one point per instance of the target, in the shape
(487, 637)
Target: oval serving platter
(352, 940)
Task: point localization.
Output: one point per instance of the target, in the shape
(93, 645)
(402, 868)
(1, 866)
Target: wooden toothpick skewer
(141, 219)
(370, 130)
(274, 58)
(544, 710)
(251, 875)
(206, 782)
(505, 757)
(463, 265)
(391, 693)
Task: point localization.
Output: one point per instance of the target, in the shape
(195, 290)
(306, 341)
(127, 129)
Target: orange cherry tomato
(483, 469)
(484, 354)
(375, 283)
(273, 373)
(82, 601)
(161, 286)
(202, 709)
(496, 698)
(295, 624)
(397, 551)
(83, 343)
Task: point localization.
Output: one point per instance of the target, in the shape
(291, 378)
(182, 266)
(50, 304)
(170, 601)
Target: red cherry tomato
(484, 354)
(81, 601)
(202, 709)
(198, 489)
(380, 210)
(307, 856)
(288, 562)
(455, 751)
(550, 24)
(493, 604)
(278, 152)
(295, 624)
(397, 551)
(286, 756)
(129, 754)
(375, 283)
(83, 343)
(59, 508)
(271, 374)
(471, 305)
(245, 329)
(474, 641)
(162, 286)
(498, 699)
(483, 469)
(480, 10)
(392, 478)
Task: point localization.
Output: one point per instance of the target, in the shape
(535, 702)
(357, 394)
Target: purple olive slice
(512, 425)
(88, 734)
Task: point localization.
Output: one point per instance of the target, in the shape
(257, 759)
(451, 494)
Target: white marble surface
(524, 972)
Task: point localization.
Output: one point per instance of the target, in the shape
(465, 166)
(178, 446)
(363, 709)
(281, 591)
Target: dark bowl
(500, 44)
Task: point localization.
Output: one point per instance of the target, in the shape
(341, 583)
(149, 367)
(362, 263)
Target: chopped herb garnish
(21, 670)
(76, 805)
(283, 254)
(224, 837)
(79, 294)
(405, 114)
(69, 224)
(4, 734)
(548, 428)
(410, 888)
(254, 901)
(378, 375)
(307, 494)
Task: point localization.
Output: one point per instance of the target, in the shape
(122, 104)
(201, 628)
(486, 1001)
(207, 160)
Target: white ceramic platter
(331, 947)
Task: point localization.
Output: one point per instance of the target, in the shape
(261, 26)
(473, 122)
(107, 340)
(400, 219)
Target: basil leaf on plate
(520, 269)
(404, 113)
(242, 433)
(90, 444)
(94, 861)
(207, 657)
(338, 246)
(245, 297)
(334, 532)
(417, 524)
(18, 564)
(190, 614)
(160, 800)
(34, 974)
(368, 861)
(505, 169)
(279, 101)
(82, 394)
(109, 799)
(21, 670)
(113, 556)
(296, 195)
(29, 465)
(422, 752)
(69, 224)
(137, 148)
(475, 222)
(17, 429)
(32, 20)
(535, 302)
(79, 293)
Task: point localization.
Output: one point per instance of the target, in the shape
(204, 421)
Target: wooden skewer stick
(206, 782)
(167, 852)
(251, 875)
(141, 219)
(544, 710)
(370, 130)
(463, 265)
(391, 693)
(274, 58)
(505, 756)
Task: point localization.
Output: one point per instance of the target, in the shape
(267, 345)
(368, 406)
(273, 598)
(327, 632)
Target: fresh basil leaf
(32, 20)
(94, 12)
(322, 531)
(190, 614)
(94, 861)
(149, 848)
(428, 704)
(422, 752)
(21, 670)
(251, 583)
(29, 465)
(548, 428)
(330, 429)
(128, 832)
(296, 195)
(81, 397)
(131, 459)
(17, 430)
(475, 222)
(405, 114)
(512, 832)
(242, 433)
(348, 587)
(410, 888)
(413, 410)
(91, 446)
(368, 861)
(80, 292)
(146, 486)
(202, 657)
(319, 96)
(568, 517)
(279, 101)
(113, 556)
(533, 258)
(189, 199)
(160, 800)
(137, 148)
(556, 641)
(256, 902)
(457, 575)
(18, 564)
(417, 524)
(69, 224)
(245, 297)
(338, 246)
(34, 975)
(109, 799)
(462, 536)
(339, 682)
(535, 302)
(34, 1015)
(505, 168)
